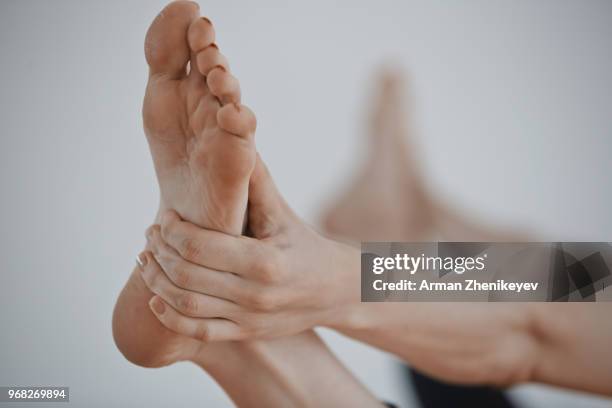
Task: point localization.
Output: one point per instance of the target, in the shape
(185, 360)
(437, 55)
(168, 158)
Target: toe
(223, 85)
(166, 48)
(237, 120)
(388, 113)
(209, 58)
(201, 34)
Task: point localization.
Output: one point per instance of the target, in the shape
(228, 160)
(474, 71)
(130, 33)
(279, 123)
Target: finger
(265, 199)
(187, 302)
(206, 330)
(190, 276)
(213, 249)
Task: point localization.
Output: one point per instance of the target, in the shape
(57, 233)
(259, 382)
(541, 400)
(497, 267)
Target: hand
(214, 286)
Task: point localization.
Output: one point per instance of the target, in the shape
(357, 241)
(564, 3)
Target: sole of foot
(202, 141)
(386, 201)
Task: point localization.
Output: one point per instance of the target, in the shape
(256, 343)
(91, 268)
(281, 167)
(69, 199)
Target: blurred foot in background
(387, 200)
(390, 198)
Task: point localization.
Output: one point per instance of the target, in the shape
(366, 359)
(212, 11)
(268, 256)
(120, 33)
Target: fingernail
(237, 106)
(157, 305)
(206, 19)
(142, 260)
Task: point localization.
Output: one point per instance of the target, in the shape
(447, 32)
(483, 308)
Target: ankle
(243, 369)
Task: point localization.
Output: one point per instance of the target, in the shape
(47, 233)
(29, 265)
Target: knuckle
(178, 325)
(191, 249)
(263, 301)
(166, 229)
(187, 304)
(151, 279)
(202, 333)
(181, 277)
(153, 233)
(268, 267)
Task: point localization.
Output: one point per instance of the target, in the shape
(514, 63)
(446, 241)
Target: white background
(514, 101)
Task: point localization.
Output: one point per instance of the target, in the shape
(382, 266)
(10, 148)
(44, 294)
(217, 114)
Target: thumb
(268, 212)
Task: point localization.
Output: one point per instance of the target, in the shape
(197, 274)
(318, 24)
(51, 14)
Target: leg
(201, 140)
(389, 202)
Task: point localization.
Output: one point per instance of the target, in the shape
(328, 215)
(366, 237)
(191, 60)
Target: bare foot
(201, 140)
(387, 201)
(200, 137)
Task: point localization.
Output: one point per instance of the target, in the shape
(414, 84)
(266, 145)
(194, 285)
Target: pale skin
(286, 278)
(201, 140)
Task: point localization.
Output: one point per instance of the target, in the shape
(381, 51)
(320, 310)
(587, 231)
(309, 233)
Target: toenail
(157, 305)
(142, 259)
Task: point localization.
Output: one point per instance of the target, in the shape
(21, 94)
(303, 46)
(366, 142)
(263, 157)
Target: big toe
(166, 47)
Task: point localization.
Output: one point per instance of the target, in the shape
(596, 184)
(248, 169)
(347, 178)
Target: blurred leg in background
(389, 200)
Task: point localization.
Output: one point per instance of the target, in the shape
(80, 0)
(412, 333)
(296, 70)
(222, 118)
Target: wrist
(547, 326)
(345, 295)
